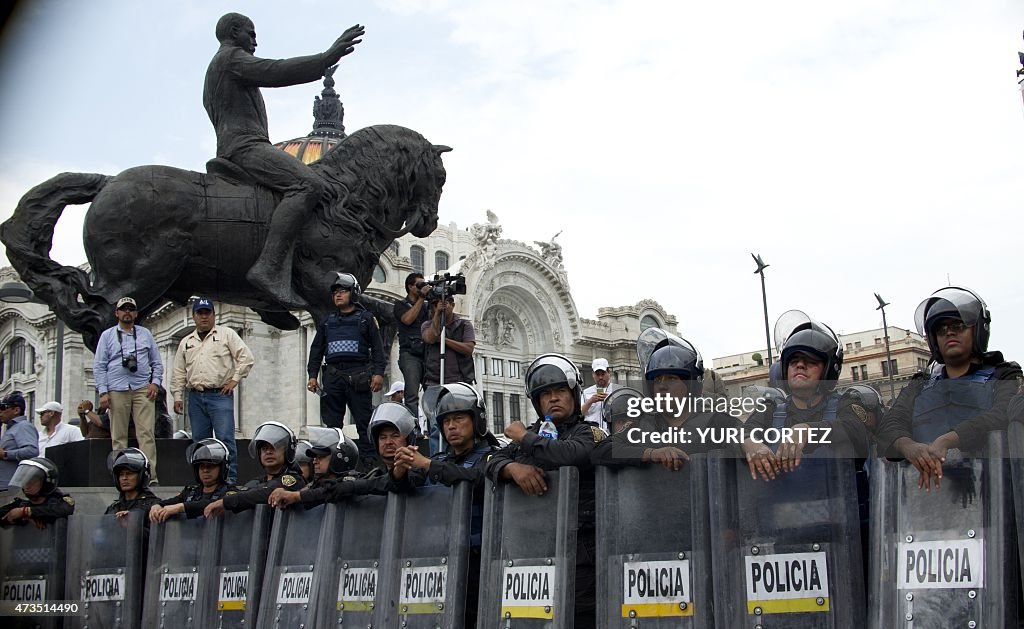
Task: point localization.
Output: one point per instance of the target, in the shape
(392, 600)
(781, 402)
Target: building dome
(328, 127)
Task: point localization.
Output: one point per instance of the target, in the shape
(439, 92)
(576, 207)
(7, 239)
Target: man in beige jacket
(209, 365)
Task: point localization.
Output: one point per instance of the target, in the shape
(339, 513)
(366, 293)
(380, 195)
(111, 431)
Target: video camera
(443, 286)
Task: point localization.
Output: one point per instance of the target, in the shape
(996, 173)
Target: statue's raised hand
(345, 44)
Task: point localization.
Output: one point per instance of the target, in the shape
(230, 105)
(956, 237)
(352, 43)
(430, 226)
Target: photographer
(410, 315)
(460, 340)
(94, 424)
(127, 370)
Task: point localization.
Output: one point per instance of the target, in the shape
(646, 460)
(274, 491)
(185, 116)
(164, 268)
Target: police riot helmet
(131, 459)
(678, 357)
(208, 451)
(771, 395)
(349, 281)
(30, 470)
(796, 332)
(954, 302)
(460, 397)
(553, 370)
(653, 339)
(332, 442)
(302, 447)
(278, 436)
(865, 396)
(392, 414)
(182, 434)
(616, 406)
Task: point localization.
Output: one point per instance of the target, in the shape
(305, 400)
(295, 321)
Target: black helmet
(954, 302)
(36, 468)
(208, 451)
(797, 332)
(332, 442)
(865, 396)
(617, 405)
(552, 370)
(275, 434)
(131, 459)
(653, 339)
(392, 414)
(460, 397)
(770, 394)
(302, 447)
(349, 281)
(676, 356)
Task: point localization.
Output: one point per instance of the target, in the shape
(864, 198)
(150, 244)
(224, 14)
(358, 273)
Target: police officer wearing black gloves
(555, 387)
(673, 373)
(43, 503)
(349, 342)
(209, 461)
(273, 445)
(960, 401)
(811, 359)
(129, 469)
(335, 459)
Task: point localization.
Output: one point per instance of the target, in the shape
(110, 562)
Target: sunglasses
(128, 308)
(956, 327)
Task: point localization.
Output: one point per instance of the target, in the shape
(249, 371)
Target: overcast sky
(860, 146)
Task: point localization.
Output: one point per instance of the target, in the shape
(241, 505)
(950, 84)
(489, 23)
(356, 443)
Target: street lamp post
(888, 355)
(19, 293)
(761, 266)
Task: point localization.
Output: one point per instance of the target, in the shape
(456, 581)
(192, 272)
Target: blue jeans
(212, 414)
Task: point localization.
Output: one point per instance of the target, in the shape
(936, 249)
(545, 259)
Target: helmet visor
(275, 435)
(323, 438)
(793, 321)
(29, 477)
(653, 339)
(207, 451)
(456, 398)
(395, 414)
(947, 303)
(131, 458)
(618, 404)
(550, 370)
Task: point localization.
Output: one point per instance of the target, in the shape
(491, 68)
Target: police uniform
(848, 436)
(972, 405)
(350, 346)
(257, 491)
(57, 505)
(144, 502)
(195, 500)
(574, 446)
(618, 450)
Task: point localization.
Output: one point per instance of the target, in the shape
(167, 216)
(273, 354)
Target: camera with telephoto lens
(446, 285)
(130, 362)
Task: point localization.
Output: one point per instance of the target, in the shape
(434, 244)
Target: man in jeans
(410, 314)
(209, 364)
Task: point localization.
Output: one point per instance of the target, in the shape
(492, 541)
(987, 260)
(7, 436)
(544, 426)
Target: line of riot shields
(704, 546)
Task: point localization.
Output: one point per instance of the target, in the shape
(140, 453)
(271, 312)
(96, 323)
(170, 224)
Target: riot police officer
(674, 377)
(44, 502)
(616, 412)
(348, 347)
(303, 460)
(811, 361)
(335, 459)
(963, 399)
(209, 460)
(273, 445)
(555, 388)
(129, 469)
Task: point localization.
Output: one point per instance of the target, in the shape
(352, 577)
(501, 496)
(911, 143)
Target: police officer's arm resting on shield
(209, 461)
(273, 445)
(44, 503)
(920, 427)
(554, 385)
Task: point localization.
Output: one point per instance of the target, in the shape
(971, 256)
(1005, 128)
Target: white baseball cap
(50, 406)
(395, 388)
(599, 364)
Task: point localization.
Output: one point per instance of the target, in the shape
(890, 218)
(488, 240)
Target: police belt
(347, 368)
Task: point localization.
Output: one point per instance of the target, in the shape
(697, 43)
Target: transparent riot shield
(239, 546)
(940, 557)
(528, 556)
(787, 553)
(177, 587)
(653, 551)
(1015, 435)
(288, 595)
(32, 569)
(104, 570)
(346, 575)
(424, 559)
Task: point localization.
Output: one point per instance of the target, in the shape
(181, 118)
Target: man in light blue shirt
(128, 369)
(20, 440)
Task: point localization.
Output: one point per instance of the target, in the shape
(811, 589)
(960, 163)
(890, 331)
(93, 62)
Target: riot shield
(787, 553)
(347, 573)
(239, 543)
(1015, 435)
(940, 557)
(104, 570)
(653, 551)
(177, 584)
(528, 556)
(424, 559)
(32, 568)
(288, 595)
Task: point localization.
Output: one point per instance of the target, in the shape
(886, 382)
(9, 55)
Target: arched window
(416, 254)
(379, 276)
(648, 322)
(18, 352)
(440, 261)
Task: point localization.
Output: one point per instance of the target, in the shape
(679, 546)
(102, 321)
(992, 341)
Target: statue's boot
(272, 273)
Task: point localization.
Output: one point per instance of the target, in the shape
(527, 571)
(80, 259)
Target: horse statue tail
(28, 235)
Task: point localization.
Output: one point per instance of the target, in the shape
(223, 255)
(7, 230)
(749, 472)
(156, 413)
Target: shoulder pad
(288, 480)
(598, 433)
(69, 500)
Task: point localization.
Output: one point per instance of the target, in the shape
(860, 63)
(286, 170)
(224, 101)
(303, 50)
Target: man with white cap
(594, 395)
(55, 431)
(396, 393)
